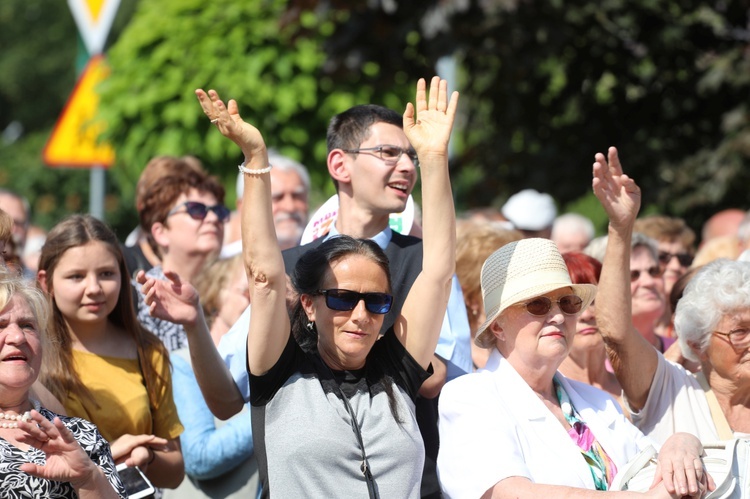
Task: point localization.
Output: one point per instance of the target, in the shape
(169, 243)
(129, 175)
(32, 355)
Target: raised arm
(269, 322)
(177, 301)
(634, 360)
(429, 131)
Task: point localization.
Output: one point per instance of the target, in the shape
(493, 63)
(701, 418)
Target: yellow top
(123, 404)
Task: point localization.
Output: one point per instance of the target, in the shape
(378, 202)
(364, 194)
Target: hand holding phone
(137, 485)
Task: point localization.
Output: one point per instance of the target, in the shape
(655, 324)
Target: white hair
(598, 246)
(719, 288)
(573, 223)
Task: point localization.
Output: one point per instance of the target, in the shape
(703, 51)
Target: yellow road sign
(74, 139)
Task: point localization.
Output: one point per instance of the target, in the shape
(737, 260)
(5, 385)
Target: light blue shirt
(208, 451)
(454, 344)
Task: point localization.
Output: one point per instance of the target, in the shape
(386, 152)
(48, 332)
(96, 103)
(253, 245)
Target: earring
(311, 326)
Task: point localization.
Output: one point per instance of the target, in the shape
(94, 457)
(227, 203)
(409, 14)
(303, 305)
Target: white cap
(530, 210)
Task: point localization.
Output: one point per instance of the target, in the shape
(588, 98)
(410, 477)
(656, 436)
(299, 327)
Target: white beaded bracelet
(252, 171)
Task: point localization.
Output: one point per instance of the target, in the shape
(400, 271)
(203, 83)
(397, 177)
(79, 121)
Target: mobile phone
(136, 484)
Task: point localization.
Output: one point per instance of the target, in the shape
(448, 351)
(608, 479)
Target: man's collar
(382, 238)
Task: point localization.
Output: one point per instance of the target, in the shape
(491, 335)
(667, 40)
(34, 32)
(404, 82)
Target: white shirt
(676, 402)
(493, 426)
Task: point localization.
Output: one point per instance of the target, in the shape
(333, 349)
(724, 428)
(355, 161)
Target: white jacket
(493, 426)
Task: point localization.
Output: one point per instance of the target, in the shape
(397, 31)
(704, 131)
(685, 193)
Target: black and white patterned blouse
(15, 484)
(172, 335)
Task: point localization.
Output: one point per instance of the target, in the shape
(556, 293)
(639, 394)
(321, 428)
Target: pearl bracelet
(252, 171)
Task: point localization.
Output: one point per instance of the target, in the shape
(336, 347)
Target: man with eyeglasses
(290, 193)
(374, 169)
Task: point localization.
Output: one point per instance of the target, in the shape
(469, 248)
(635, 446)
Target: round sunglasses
(540, 306)
(199, 211)
(343, 300)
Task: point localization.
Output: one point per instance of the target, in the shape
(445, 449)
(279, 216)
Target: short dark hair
(158, 198)
(349, 129)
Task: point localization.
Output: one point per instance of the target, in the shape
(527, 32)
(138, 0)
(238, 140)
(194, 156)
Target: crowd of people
(498, 353)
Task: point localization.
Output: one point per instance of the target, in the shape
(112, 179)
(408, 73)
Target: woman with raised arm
(332, 403)
(712, 322)
(519, 428)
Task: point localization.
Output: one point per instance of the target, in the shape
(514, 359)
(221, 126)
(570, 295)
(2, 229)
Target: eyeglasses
(685, 259)
(388, 153)
(344, 300)
(569, 305)
(198, 211)
(738, 338)
(652, 271)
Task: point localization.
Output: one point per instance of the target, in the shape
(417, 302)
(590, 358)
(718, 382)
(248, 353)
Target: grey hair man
(290, 192)
(572, 232)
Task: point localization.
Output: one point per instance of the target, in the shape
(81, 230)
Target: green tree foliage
(544, 85)
(550, 83)
(268, 55)
(38, 67)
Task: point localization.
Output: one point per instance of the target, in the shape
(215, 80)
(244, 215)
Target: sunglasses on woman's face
(654, 272)
(199, 211)
(685, 259)
(569, 305)
(344, 300)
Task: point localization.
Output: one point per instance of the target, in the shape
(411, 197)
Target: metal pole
(96, 191)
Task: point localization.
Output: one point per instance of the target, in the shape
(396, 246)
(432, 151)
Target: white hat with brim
(520, 271)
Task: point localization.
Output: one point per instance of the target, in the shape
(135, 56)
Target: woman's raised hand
(618, 193)
(430, 130)
(229, 122)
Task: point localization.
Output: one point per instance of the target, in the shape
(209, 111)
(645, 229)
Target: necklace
(14, 418)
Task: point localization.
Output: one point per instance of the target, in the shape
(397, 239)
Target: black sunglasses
(569, 305)
(685, 259)
(344, 300)
(652, 271)
(198, 211)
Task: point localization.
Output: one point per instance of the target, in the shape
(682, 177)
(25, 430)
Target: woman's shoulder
(472, 388)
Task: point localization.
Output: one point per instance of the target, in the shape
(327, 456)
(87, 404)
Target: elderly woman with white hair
(712, 322)
(518, 428)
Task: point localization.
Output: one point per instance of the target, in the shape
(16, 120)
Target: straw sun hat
(519, 271)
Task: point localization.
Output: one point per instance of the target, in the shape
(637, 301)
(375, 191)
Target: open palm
(430, 131)
(229, 122)
(619, 195)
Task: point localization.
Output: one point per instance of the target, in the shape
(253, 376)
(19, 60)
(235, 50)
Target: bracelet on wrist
(153, 455)
(252, 171)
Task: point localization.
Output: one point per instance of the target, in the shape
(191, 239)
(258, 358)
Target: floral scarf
(603, 469)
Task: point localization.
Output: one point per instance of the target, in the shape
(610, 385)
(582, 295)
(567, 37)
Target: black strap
(364, 466)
